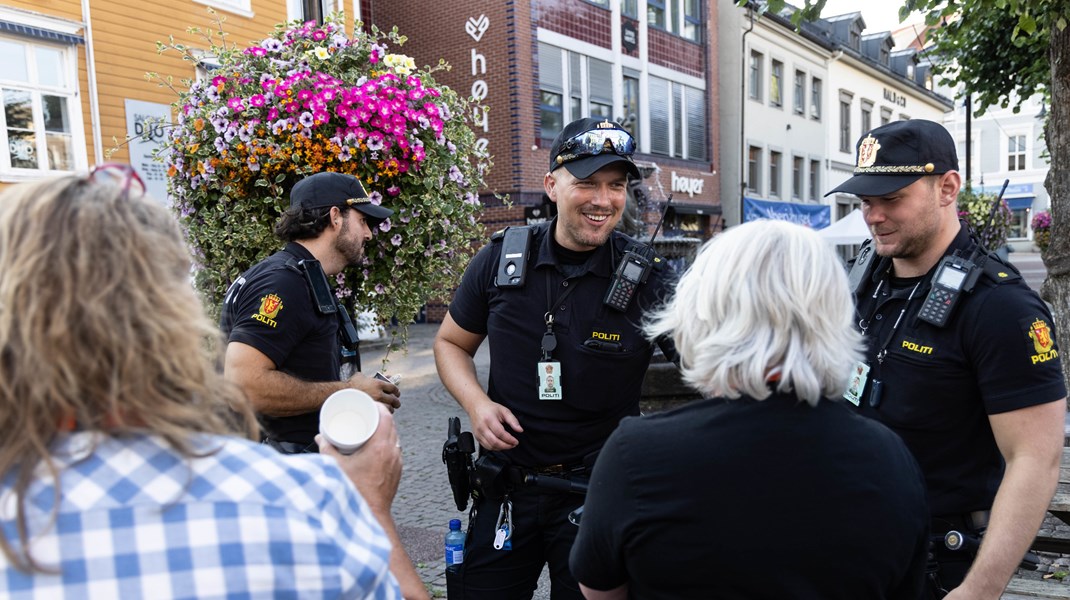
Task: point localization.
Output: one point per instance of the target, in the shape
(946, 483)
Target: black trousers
(947, 568)
(542, 534)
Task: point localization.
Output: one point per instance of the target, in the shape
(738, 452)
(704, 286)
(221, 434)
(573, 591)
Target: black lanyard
(863, 324)
(549, 340)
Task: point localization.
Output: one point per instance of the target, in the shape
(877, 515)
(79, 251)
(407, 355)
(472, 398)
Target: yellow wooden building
(73, 74)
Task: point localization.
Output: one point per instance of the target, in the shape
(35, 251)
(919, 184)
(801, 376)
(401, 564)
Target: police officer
(283, 345)
(556, 323)
(961, 358)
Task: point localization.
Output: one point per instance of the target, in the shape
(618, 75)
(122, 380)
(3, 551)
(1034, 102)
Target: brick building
(538, 64)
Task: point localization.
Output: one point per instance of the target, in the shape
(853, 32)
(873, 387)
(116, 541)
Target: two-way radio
(633, 270)
(955, 275)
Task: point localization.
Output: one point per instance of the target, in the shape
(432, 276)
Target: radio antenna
(664, 212)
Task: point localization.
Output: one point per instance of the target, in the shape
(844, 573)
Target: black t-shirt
(270, 308)
(690, 503)
(997, 353)
(600, 382)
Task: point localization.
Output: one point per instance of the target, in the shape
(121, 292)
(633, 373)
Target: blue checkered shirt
(137, 520)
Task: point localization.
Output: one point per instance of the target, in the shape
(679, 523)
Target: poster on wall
(146, 127)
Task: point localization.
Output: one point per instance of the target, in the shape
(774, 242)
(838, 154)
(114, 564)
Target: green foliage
(308, 99)
(1000, 58)
(976, 209)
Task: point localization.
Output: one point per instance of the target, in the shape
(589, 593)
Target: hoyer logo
(475, 27)
(686, 185)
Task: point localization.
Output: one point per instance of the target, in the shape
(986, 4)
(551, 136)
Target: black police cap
(895, 155)
(336, 189)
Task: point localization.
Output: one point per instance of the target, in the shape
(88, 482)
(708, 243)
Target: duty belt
(971, 521)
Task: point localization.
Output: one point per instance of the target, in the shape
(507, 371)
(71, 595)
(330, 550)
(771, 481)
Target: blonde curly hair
(100, 330)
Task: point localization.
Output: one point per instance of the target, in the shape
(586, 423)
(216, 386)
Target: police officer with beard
(961, 361)
(282, 321)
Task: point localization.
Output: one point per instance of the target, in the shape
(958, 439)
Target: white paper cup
(348, 418)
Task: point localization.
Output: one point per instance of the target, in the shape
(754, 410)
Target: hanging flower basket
(1041, 225)
(310, 98)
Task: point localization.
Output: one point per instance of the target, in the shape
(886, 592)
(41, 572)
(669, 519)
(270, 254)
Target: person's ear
(550, 185)
(948, 187)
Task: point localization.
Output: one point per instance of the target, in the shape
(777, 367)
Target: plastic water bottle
(454, 547)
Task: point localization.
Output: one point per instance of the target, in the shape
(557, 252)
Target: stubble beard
(351, 248)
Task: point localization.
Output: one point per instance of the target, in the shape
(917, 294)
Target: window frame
(754, 169)
(799, 92)
(67, 92)
(676, 18)
(1021, 152)
(754, 74)
(797, 176)
(238, 7)
(776, 83)
(776, 173)
(816, 98)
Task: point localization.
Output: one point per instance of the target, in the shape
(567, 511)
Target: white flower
(402, 64)
(322, 53)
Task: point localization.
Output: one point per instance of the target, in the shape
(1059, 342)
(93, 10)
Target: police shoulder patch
(270, 306)
(1041, 343)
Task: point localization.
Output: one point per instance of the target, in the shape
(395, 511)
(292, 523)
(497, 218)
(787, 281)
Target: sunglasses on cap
(597, 141)
(121, 175)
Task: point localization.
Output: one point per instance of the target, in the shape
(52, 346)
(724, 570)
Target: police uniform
(603, 358)
(270, 308)
(936, 386)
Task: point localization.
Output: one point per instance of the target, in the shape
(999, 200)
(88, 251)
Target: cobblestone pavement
(424, 504)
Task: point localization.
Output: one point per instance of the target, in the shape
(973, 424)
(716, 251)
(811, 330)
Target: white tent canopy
(849, 230)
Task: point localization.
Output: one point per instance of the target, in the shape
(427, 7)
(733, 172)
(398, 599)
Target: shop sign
(475, 27)
(686, 185)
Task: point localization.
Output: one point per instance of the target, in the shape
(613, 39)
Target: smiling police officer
(961, 360)
(566, 360)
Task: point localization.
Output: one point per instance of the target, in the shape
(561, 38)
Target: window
(315, 10)
(681, 17)
(692, 17)
(815, 98)
(756, 59)
(631, 105)
(754, 165)
(551, 107)
(237, 6)
(1016, 153)
(589, 85)
(815, 182)
(796, 177)
(677, 119)
(867, 116)
(630, 8)
(655, 13)
(776, 82)
(599, 88)
(41, 115)
(1019, 219)
(800, 93)
(846, 141)
(886, 116)
(774, 173)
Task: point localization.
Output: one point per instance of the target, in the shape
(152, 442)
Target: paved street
(1031, 267)
(424, 503)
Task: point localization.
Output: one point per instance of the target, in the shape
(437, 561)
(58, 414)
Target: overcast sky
(879, 16)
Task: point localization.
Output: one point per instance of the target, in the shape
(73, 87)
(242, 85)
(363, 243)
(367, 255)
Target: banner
(814, 216)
